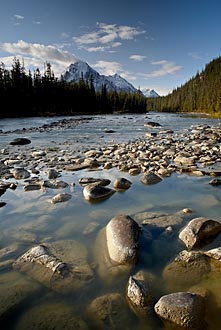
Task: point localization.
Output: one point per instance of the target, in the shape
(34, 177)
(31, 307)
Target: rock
(134, 171)
(138, 294)
(39, 153)
(109, 271)
(186, 269)
(20, 173)
(214, 253)
(2, 204)
(215, 182)
(55, 184)
(100, 182)
(91, 228)
(122, 183)
(122, 239)
(32, 187)
(182, 309)
(151, 124)
(59, 198)
(150, 178)
(95, 192)
(108, 312)
(20, 142)
(51, 316)
(61, 266)
(199, 231)
(53, 174)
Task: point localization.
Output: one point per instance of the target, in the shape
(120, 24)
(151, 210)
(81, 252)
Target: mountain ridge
(82, 70)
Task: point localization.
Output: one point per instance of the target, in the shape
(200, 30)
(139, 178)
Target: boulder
(187, 269)
(199, 231)
(20, 142)
(182, 309)
(122, 239)
(100, 182)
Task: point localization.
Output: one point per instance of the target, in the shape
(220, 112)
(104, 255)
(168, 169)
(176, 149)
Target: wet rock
(182, 309)
(122, 239)
(151, 124)
(139, 295)
(20, 141)
(2, 204)
(20, 173)
(55, 184)
(108, 312)
(215, 182)
(214, 253)
(59, 198)
(32, 187)
(150, 178)
(38, 153)
(95, 192)
(199, 231)
(53, 174)
(122, 183)
(100, 182)
(186, 269)
(61, 266)
(50, 316)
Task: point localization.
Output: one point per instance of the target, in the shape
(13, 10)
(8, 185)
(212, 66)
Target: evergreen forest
(202, 93)
(34, 94)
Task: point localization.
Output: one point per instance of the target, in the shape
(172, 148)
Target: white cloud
(37, 54)
(107, 67)
(19, 17)
(195, 56)
(106, 36)
(166, 68)
(138, 58)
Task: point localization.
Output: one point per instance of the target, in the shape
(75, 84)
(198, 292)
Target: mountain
(201, 93)
(81, 69)
(149, 92)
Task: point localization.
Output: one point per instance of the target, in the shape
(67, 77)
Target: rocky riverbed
(129, 264)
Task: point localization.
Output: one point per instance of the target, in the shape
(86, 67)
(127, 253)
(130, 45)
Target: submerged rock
(108, 312)
(20, 173)
(187, 269)
(61, 266)
(50, 316)
(59, 198)
(100, 182)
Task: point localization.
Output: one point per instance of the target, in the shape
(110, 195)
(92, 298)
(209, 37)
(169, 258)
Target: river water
(29, 219)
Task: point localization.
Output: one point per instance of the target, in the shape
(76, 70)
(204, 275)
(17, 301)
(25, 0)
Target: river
(28, 218)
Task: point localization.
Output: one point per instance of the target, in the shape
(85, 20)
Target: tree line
(202, 93)
(34, 94)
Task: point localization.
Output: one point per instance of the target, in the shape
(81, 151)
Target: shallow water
(29, 218)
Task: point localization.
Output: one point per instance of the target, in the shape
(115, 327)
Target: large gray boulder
(199, 231)
(122, 239)
(182, 309)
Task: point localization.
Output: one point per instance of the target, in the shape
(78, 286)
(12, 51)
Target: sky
(156, 44)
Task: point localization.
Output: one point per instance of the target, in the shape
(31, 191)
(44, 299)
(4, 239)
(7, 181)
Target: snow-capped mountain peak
(150, 92)
(81, 69)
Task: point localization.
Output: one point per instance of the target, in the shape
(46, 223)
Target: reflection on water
(29, 219)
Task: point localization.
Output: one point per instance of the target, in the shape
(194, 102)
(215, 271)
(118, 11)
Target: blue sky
(157, 44)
